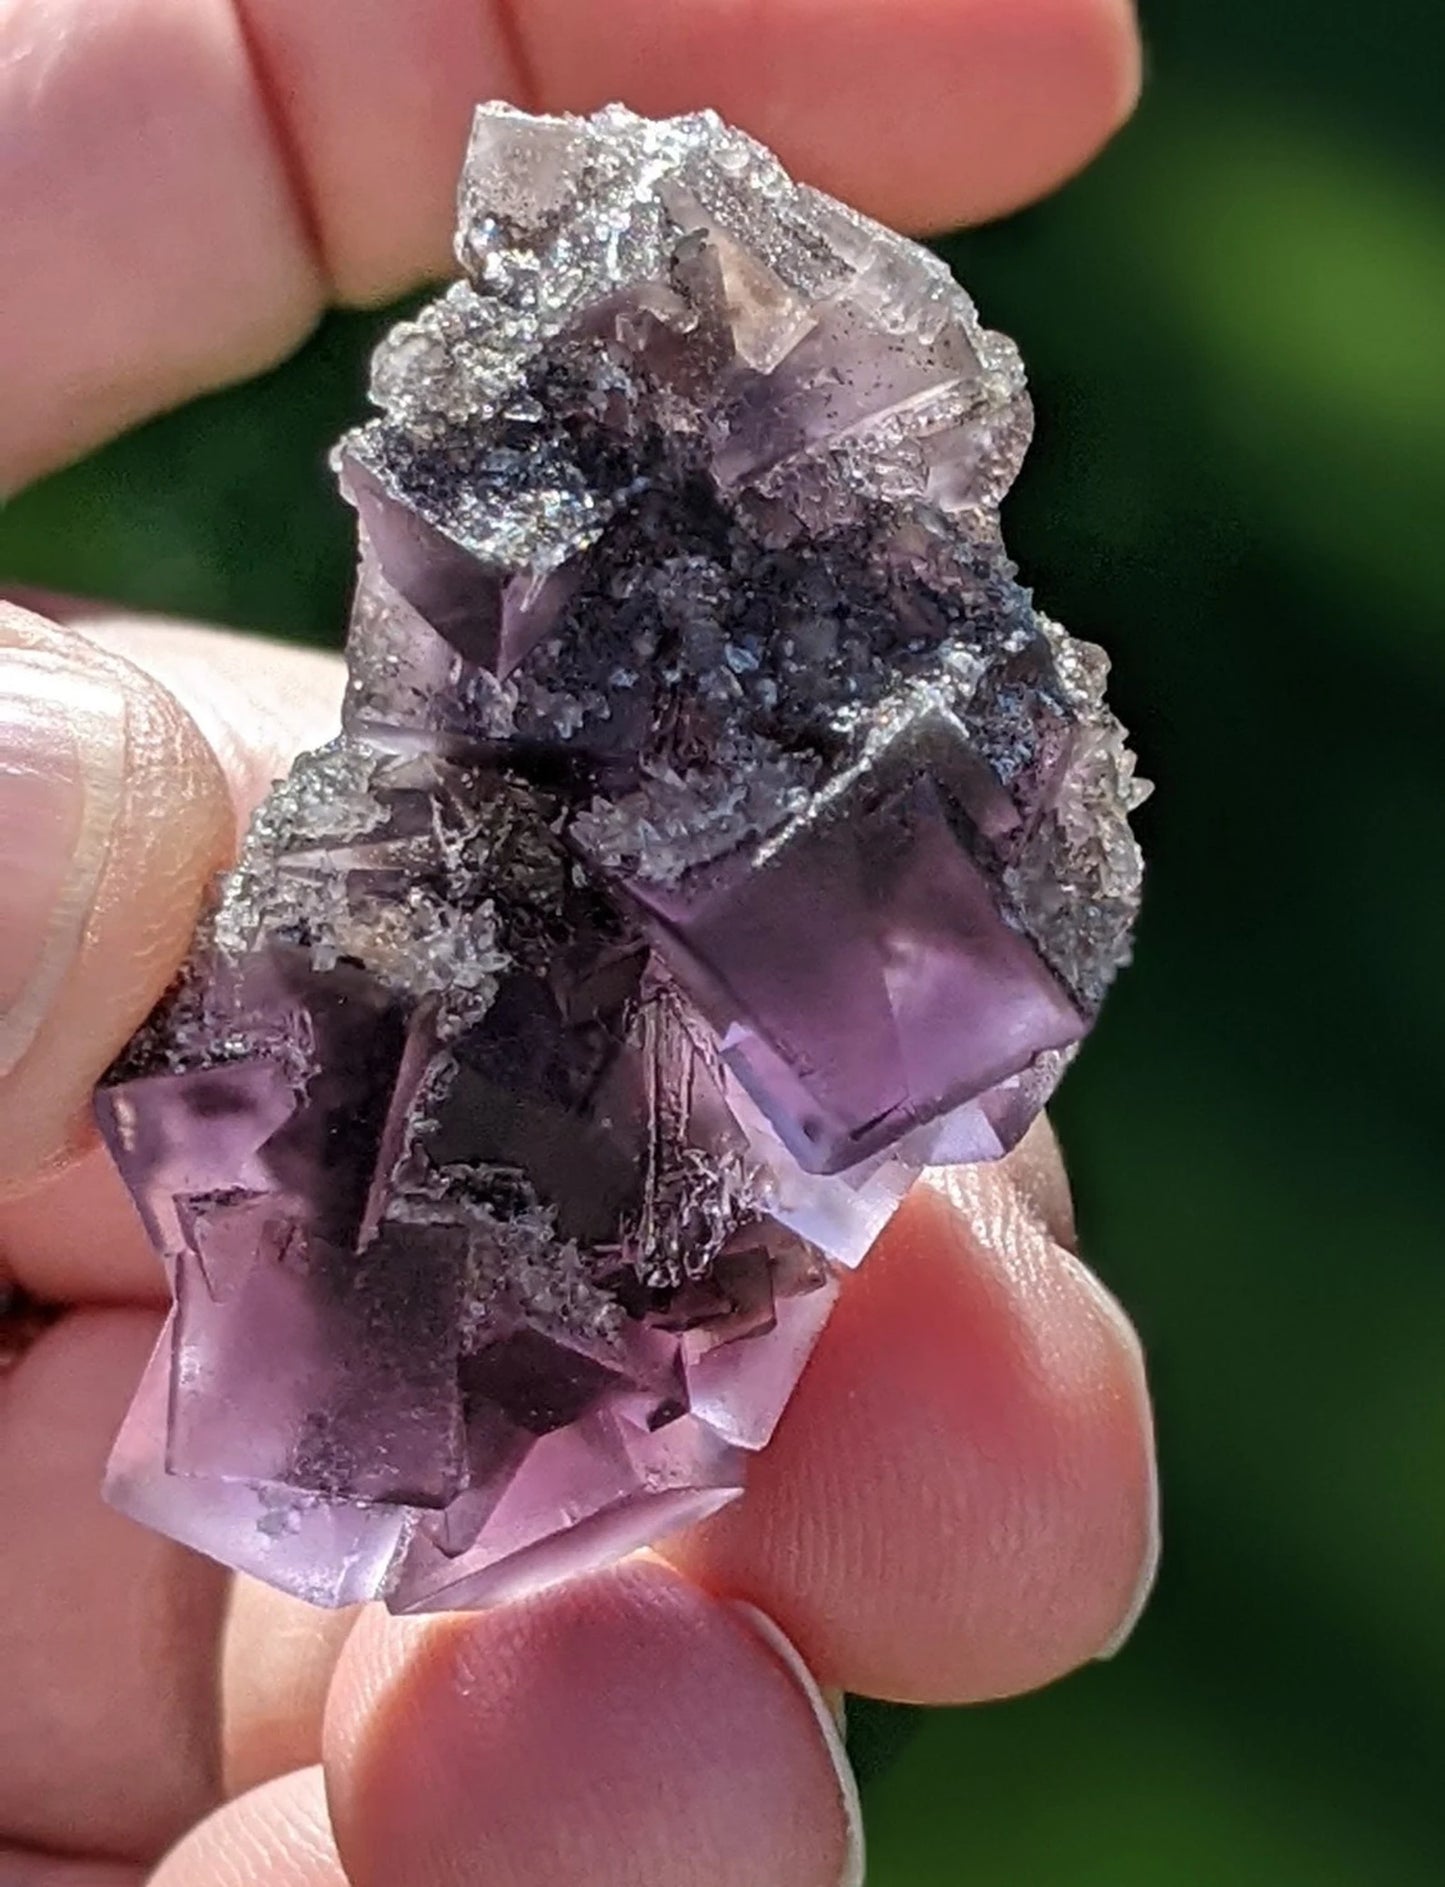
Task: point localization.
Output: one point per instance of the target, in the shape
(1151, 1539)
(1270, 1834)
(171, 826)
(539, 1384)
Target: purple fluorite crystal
(717, 836)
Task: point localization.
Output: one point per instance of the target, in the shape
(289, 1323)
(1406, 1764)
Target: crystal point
(717, 836)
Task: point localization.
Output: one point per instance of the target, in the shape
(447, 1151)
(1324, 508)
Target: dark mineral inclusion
(718, 835)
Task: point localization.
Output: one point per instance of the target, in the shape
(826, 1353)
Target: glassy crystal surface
(717, 835)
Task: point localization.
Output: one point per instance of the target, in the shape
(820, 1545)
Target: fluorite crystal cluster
(717, 836)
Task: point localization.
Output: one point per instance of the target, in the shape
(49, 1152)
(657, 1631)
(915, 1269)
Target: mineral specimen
(717, 836)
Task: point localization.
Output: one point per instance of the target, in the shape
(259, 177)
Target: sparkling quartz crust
(717, 835)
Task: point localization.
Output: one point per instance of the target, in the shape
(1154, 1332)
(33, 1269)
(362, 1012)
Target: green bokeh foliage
(1233, 326)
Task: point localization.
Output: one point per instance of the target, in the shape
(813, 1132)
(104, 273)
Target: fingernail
(988, 1197)
(1148, 1573)
(62, 753)
(830, 1726)
(1113, 1311)
(1035, 1168)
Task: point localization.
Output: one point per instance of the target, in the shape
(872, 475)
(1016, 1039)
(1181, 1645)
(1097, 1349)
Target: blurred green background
(1234, 326)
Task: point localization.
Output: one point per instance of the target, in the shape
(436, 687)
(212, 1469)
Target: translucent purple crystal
(717, 836)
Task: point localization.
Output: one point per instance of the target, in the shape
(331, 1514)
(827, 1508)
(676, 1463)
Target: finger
(923, 112)
(114, 814)
(278, 1835)
(76, 1237)
(221, 165)
(277, 1657)
(960, 1502)
(107, 1633)
(621, 1731)
(153, 241)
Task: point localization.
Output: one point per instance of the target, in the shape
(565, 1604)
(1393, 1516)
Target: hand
(960, 1501)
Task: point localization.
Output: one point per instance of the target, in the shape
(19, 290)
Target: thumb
(118, 801)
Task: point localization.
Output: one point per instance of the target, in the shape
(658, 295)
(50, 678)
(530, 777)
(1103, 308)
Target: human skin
(960, 1501)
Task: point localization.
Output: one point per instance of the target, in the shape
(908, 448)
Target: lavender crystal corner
(717, 835)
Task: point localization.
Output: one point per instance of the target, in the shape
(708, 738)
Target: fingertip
(523, 1738)
(960, 1501)
(1011, 100)
(276, 1835)
(114, 814)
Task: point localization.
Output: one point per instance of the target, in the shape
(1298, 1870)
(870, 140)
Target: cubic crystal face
(717, 835)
